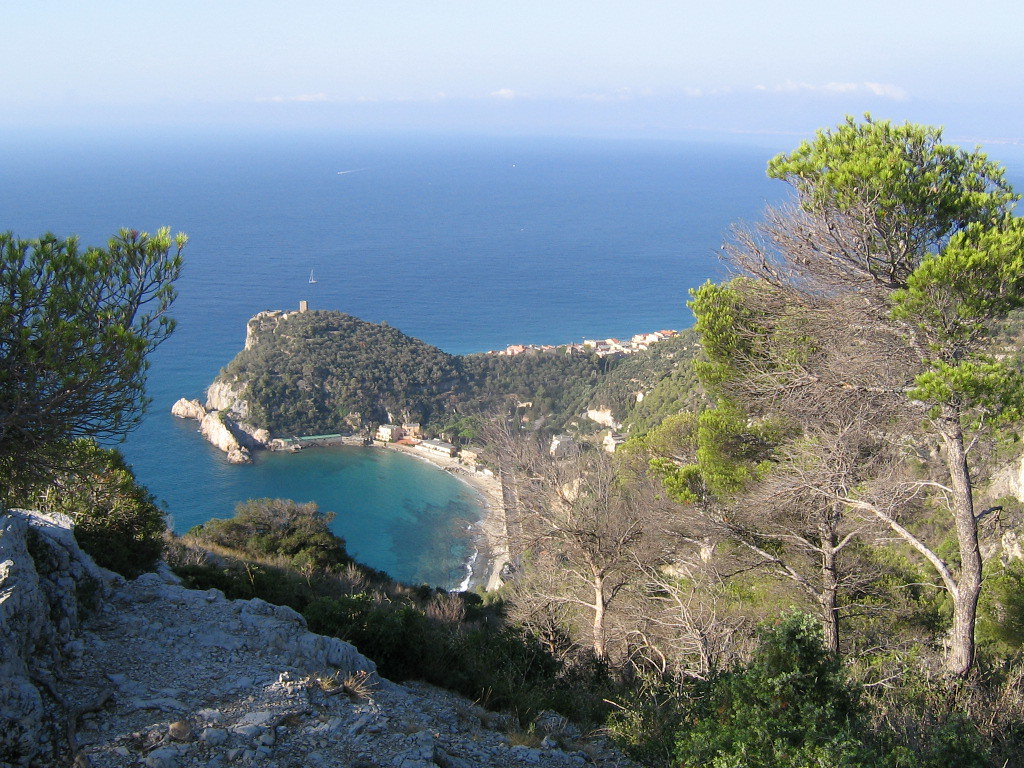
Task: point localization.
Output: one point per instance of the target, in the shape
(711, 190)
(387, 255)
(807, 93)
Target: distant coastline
(639, 342)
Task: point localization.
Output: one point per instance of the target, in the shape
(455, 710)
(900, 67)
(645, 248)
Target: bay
(398, 514)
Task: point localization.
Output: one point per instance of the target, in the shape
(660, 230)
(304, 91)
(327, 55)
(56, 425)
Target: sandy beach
(491, 529)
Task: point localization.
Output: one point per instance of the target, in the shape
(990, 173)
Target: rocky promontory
(222, 431)
(316, 372)
(321, 372)
(221, 422)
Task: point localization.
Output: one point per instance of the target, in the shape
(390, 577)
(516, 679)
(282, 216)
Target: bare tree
(688, 629)
(795, 525)
(792, 523)
(803, 434)
(584, 532)
(518, 454)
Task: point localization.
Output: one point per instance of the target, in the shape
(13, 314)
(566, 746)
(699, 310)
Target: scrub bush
(790, 706)
(117, 521)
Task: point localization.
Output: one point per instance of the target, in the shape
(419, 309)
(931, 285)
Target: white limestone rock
(222, 433)
(195, 679)
(239, 456)
(1008, 481)
(261, 323)
(1012, 545)
(224, 426)
(188, 409)
(41, 571)
(604, 417)
(259, 438)
(227, 396)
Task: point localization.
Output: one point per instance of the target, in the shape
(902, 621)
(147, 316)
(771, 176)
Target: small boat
(311, 278)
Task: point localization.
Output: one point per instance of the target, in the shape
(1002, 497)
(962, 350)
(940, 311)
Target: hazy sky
(637, 68)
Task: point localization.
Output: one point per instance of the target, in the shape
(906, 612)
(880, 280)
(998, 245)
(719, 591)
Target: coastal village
(600, 347)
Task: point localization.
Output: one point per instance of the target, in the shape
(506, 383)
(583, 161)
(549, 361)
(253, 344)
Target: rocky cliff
(97, 671)
(220, 423)
(262, 323)
(228, 397)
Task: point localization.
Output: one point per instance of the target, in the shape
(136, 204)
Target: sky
(643, 68)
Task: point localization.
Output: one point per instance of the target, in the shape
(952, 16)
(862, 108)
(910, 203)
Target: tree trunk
(965, 599)
(599, 607)
(827, 598)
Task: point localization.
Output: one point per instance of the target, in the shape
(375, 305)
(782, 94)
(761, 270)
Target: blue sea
(468, 243)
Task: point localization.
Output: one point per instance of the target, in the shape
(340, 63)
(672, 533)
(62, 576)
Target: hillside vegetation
(319, 372)
(643, 389)
(323, 372)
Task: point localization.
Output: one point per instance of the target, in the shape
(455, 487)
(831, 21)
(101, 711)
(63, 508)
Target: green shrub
(1001, 612)
(791, 706)
(396, 636)
(955, 742)
(244, 581)
(117, 521)
(503, 667)
(298, 534)
(924, 719)
(647, 717)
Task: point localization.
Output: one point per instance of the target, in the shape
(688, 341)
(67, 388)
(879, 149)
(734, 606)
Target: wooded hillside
(324, 372)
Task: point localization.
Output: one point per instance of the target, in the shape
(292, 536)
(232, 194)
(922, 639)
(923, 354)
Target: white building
(612, 441)
(438, 446)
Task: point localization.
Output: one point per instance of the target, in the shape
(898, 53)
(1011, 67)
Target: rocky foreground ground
(153, 674)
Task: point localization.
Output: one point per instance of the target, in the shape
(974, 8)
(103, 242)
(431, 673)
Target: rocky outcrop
(1011, 545)
(40, 568)
(160, 676)
(251, 436)
(188, 409)
(220, 421)
(75, 640)
(260, 323)
(216, 428)
(43, 575)
(604, 417)
(1008, 481)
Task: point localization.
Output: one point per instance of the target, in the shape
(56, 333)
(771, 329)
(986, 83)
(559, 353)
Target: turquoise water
(398, 513)
(467, 243)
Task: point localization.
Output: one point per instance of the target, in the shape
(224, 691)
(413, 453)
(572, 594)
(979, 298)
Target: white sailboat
(311, 278)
